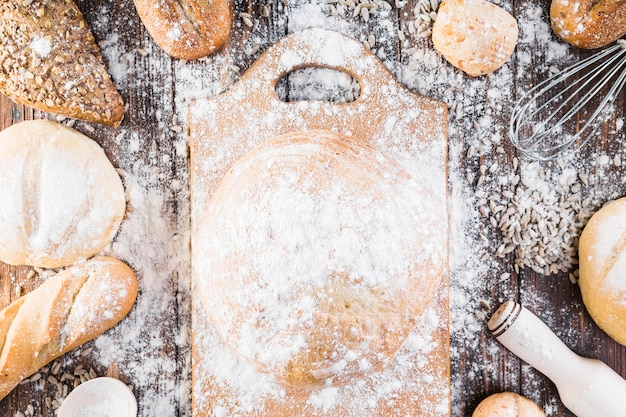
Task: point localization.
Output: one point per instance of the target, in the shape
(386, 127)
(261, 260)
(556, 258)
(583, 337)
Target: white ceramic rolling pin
(587, 387)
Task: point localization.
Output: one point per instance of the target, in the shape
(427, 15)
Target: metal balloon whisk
(553, 117)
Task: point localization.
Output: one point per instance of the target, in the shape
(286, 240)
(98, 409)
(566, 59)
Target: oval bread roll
(317, 257)
(60, 198)
(588, 23)
(507, 404)
(186, 29)
(66, 311)
(602, 257)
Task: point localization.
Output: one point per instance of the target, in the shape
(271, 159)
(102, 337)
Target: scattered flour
(154, 238)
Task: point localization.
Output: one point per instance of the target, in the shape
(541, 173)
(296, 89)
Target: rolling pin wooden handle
(588, 387)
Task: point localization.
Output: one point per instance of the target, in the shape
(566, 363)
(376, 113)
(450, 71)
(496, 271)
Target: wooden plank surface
(150, 349)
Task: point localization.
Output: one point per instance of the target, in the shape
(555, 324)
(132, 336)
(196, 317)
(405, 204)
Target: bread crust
(475, 36)
(61, 199)
(588, 24)
(52, 70)
(507, 404)
(602, 256)
(186, 29)
(66, 311)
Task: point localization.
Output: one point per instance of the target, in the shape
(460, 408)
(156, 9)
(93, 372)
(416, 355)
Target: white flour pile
(486, 188)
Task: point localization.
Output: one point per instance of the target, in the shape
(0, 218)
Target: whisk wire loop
(539, 118)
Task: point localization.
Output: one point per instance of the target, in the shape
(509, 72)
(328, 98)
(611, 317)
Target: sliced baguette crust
(49, 60)
(186, 29)
(588, 23)
(66, 311)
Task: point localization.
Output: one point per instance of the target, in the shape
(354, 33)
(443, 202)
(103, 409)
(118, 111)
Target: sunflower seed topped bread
(588, 23)
(61, 200)
(65, 312)
(186, 29)
(49, 60)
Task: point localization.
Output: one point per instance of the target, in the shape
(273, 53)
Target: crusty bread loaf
(588, 23)
(475, 36)
(65, 312)
(187, 29)
(507, 404)
(60, 198)
(602, 257)
(49, 60)
(317, 258)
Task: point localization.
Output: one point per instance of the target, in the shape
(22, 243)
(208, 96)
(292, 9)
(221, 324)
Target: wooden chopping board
(412, 130)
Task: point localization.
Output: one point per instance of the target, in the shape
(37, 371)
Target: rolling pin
(587, 387)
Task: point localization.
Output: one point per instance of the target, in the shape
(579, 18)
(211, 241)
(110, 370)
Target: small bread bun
(475, 36)
(187, 29)
(507, 404)
(61, 200)
(588, 23)
(602, 257)
(318, 259)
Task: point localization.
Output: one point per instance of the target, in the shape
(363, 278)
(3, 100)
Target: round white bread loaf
(602, 257)
(316, 257)
(507, 404)
(61, 200)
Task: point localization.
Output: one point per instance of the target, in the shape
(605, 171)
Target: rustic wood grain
(150, 84)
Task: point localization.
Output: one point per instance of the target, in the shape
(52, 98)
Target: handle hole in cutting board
(318, 84)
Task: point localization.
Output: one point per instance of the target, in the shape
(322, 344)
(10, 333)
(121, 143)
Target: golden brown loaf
(65, 312)
(588, 23)
(60, 198)
(319, 258)
(475, 36)
(507, 404)
(186, 29)
(49, 60)
(602, 256)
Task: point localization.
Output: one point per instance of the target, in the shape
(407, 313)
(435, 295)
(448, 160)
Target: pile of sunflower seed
(540, 220)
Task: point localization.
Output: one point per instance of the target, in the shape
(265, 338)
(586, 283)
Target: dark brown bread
(49, 60)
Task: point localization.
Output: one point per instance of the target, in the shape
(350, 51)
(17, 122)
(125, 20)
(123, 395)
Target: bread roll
(60, 198)
(187, 29)
(49, 60)
(475, 36)
(316, 257)
(602, 257)
(65, 312)
(507, 404)
(588, 23)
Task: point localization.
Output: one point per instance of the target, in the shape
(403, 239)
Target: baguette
(50, 61)
(186, 29)
(65, 312)
(588, 24)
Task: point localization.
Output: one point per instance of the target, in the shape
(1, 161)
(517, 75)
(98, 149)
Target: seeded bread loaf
(588, 23)
(186, 29)
(65, 312)
(49, 60)
(60, 197)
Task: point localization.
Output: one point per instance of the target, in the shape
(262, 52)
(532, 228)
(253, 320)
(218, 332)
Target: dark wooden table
(151, 148)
